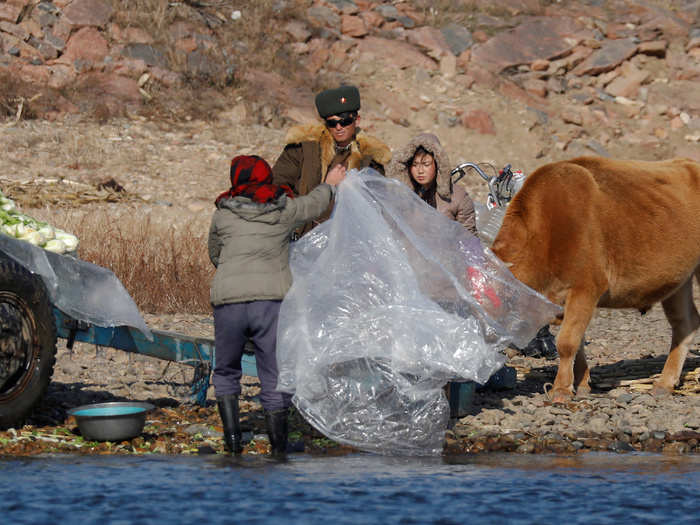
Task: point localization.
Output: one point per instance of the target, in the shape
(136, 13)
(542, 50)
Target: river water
(358, 488)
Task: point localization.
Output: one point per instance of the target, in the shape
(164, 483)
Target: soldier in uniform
(313, 151)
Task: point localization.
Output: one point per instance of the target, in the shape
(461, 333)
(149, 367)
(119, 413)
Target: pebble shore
(618, 416)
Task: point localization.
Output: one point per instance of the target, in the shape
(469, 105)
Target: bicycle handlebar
(460, 169)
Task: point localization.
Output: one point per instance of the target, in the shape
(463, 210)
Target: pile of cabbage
(23, 227)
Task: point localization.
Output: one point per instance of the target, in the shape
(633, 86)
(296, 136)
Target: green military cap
(337, 101)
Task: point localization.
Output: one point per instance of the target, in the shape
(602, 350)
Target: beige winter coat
(451, 200)
(249, 245)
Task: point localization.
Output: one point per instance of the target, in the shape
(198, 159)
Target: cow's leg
(684, 319)
(578, 311)
(582, 373)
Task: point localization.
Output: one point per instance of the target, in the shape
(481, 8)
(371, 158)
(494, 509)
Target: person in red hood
(249, 246)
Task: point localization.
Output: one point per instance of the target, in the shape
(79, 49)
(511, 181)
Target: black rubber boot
(230, 419)
(543, 345)
(277, 430)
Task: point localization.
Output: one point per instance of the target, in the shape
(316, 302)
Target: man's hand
(335, 175)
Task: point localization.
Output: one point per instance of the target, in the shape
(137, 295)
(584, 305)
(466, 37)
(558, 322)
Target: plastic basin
(116, 421)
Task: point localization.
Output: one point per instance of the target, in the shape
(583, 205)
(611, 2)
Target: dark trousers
(234, 324)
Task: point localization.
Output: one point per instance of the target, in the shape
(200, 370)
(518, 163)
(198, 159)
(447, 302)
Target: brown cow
(592, 232)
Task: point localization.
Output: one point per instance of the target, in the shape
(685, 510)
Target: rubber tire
(27, 293)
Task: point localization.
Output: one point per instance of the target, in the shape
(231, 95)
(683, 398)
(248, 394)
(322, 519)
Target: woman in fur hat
(423, 165)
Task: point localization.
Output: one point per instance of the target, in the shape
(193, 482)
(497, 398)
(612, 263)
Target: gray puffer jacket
(249, 244)
(451, 200)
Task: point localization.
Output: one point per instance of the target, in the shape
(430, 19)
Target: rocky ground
(624, 350)
(521, 82)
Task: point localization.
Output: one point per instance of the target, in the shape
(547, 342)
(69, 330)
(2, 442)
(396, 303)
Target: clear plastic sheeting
(80, 289)
(390, 301)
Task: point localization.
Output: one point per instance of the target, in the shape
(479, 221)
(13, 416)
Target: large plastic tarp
(390, 301)
(82, 290)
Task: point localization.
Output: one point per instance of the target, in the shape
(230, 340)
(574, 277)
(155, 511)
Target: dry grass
(25, 100)
(231, 47)
(165, 269)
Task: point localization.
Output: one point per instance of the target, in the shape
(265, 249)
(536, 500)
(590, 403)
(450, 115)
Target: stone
(388, 12)
(149, 54)
(656, 48)
(18, 48)
(32, 27)
(611, 54)
(48, 52)
(459, 38)
(87, 46)
(675, 448)
(693, 43)
(56, 42)
(34, 74)
(480, 121)
(626, 397)
(540, 65)
(535, 87)
(406, 22)
(317, 59)
(539, 38)
(667, 23)
(394, 53)
(322, 16)
(346, 7)
(62, 29)
(556, 85)
(429, 39)
(463, 62)
(512, 90)
(10, 12)
(297, 30)
(372, 19)
(353, 26)
(129, 35)
(200, 64)
(165, 76)
(599, 424)
(14, 29)
(88, 13)
(186, 45)
(117, 86)
(629, 81)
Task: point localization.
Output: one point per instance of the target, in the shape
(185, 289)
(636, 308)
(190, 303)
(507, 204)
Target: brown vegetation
(165, 269)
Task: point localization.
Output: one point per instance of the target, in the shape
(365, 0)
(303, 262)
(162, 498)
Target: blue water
(209, 490)
(109, 411)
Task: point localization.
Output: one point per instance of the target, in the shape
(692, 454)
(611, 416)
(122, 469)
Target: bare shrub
(165, 269)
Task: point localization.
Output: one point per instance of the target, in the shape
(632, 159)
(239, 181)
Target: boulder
(82, 13)
(540, 38)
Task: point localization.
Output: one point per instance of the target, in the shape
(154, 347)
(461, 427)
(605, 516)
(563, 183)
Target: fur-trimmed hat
(337, 101)
(399, 169)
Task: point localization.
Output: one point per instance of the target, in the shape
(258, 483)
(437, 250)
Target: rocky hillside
(500, 81)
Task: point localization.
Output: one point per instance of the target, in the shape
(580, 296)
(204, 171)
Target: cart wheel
(27, 342)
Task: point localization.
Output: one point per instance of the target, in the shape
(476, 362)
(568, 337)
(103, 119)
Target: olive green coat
(249, 245)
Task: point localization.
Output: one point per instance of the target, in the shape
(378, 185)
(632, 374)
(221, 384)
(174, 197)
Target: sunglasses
(344, 122)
